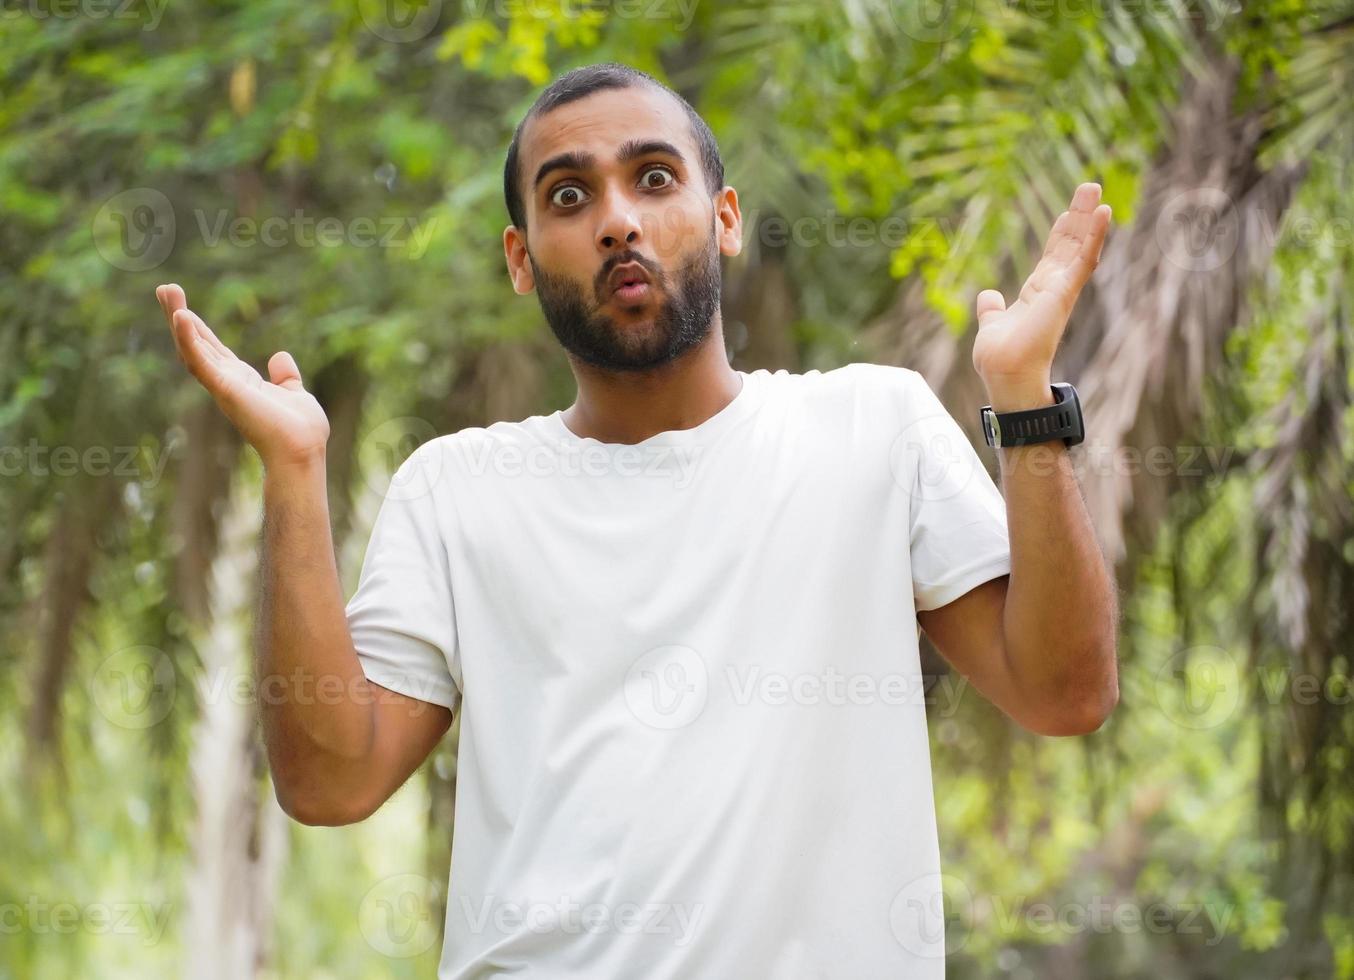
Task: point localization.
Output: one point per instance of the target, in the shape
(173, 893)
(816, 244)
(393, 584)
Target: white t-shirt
(693, 731)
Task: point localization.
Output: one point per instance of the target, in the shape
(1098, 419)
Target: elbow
(318, 810)
(1084, 717)
(1082, 712)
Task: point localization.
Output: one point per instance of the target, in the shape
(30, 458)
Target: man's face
(623, 235)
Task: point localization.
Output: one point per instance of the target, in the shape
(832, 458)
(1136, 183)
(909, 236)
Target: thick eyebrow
(629, 150)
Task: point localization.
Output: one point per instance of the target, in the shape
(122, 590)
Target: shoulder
(475, 439)
(449, 460)
(859, 383)
(853, 375)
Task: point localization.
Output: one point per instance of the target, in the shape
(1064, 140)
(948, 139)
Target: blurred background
(326, 178)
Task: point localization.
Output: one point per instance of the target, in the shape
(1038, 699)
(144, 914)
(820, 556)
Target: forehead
(601, 122)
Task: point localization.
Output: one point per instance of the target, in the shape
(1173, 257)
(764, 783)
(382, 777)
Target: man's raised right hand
(280, 419)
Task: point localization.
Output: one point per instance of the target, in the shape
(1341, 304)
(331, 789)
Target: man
(680, 617)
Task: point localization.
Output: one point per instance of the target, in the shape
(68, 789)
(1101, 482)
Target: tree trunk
(239, 839)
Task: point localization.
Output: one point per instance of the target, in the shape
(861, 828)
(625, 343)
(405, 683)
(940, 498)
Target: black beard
(683, 319)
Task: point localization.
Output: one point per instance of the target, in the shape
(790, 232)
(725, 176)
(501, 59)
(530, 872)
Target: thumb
(989, 302)
(283, 372)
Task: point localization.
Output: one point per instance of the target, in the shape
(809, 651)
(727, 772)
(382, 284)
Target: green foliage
(247, 126)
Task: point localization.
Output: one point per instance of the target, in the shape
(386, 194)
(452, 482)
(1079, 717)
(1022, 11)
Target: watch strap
(1061, 420)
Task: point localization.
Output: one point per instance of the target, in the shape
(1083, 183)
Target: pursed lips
(629, 274)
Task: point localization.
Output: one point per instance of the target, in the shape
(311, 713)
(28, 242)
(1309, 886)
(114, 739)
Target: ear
(519, 266)
(728, 222)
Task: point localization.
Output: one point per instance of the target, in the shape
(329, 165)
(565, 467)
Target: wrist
(1030, 419)
(1018, 395)
(295, 470)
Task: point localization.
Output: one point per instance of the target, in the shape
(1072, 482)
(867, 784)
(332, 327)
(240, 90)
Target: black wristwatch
(1061, 420)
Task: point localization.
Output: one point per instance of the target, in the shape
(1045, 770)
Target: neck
(630, 406)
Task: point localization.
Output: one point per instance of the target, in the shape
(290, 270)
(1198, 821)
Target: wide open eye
(648, 182)
(567, 196)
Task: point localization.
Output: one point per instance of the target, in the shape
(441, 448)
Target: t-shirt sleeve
(401, 617)
(959, 536)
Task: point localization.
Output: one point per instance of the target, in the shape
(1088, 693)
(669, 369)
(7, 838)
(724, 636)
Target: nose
(619, 226)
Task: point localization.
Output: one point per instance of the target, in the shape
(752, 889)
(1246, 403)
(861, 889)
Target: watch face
(991, 428)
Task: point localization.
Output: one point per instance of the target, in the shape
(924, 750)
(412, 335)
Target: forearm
(1060, 617)
(316, 704)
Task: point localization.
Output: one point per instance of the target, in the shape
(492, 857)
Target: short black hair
(582, 82)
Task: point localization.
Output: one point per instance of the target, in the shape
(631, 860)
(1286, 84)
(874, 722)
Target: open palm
(279, 418)
(1018, 342)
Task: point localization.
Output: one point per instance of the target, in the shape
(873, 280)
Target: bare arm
(338, 744)
(1039, 643)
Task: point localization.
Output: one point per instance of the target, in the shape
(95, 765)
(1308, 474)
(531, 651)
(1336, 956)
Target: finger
(1059, 232)
(1073, 248)
(1085, 197)
(1088, 255)
(205, 332)
(1080, 215)
(989, 302)
(1071, 228)
(171, 298)
(282, 370)
(187, 341)
(203, 362)
(1100, 226)
(161, 298)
